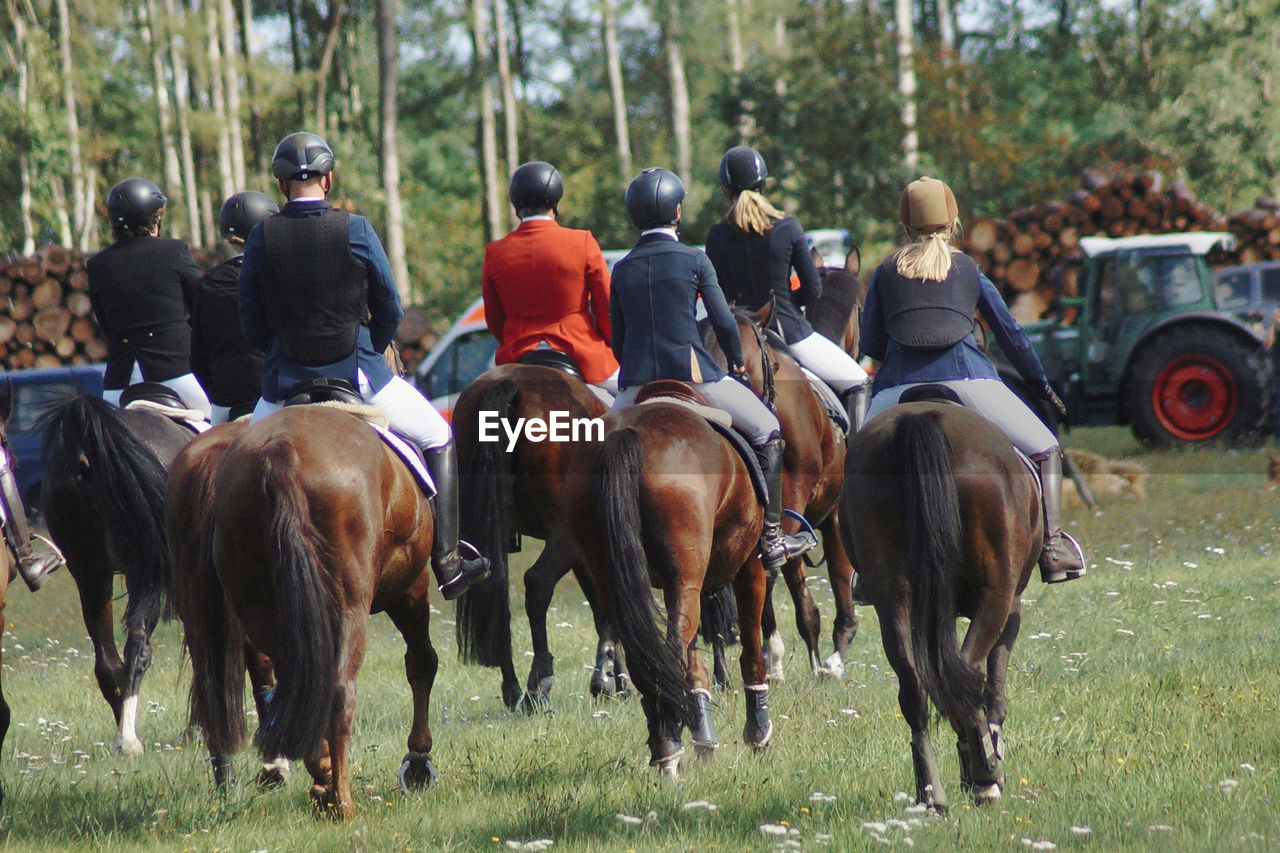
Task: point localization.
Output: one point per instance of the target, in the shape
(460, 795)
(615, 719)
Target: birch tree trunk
(18, 53)
(79, 236)
(613, 63)
(488, 123)
(907, 84)
(676, 79)
(320, 107)
(388, 98)
(510, 116)
(226, 178)
(231, 85)
(738, 65)
(164, 112)
(256, 143)
(190, 186)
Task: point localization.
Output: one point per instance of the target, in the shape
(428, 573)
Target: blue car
(33, 392)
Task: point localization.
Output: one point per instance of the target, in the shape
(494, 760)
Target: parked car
(832, 244)
(33, 392)
(1249, 291)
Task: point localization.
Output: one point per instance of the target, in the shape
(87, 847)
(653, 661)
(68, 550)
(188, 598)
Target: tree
(389, 140)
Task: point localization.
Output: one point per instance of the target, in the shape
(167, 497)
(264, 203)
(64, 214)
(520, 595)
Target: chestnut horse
(311, 524)
(7, 566)
(103, 501)
(944, 520)
(510, 492)
(665, 500)
(812, 476)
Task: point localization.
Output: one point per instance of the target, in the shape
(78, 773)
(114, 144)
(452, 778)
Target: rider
(141, 287)
(753, 251)
(918, 322)
(546, 286)
(655, 336)
(226, 364)
(318, 296)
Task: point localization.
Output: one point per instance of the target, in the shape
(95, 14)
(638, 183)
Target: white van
(465, 352)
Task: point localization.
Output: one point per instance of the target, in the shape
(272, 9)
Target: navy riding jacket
(752, 267)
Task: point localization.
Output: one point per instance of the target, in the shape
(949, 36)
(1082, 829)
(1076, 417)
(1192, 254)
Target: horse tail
(932, 507)
(486, 489)
(86, 443)
(310, 613)
(719, 617)
(214, 640)
(655, 657)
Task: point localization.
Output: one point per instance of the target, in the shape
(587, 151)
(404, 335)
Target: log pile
(45, 316)
(1257, 231)
(1024, 253)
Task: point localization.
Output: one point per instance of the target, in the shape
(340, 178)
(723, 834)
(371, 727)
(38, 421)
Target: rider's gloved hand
(739, 372)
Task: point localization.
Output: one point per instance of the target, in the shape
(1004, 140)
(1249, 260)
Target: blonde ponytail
(752, 212)
(928, 255)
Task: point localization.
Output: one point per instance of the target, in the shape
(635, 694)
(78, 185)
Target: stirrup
(1048, 574)
(473, 568)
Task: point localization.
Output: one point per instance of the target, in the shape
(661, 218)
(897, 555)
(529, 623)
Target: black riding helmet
(535, 186)
(134, 202)
(742, 168)
(653, 198)
(301, 156)
(244, 210)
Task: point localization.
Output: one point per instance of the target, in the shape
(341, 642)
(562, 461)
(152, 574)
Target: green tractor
(1147, 344)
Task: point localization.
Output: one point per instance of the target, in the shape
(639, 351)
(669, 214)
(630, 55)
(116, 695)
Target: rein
(770, 391)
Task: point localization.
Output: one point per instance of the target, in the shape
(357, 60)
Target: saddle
(552, 358)
(323, 389)
(682, 394)
(163, 400)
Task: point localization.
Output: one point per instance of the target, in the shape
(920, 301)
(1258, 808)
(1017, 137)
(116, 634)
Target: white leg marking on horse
(775, 650)
(127, 742)
(833, 666)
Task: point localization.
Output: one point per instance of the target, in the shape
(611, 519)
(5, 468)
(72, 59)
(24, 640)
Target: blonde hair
(752, 212)
(928, 255)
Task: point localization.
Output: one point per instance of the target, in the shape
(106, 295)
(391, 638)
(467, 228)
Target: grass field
(1143, 715)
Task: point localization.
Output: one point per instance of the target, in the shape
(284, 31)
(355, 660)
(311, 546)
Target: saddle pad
(827, 396)
(719, 417)
(369, 414)
(411, 456)
(193, 419)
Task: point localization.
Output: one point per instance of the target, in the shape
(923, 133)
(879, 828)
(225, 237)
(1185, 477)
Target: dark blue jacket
(752, 267)
(653, 311)
(279, 374)
(903, 365)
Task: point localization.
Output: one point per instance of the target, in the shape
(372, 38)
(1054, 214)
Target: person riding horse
(655, 336)
(918, 323)
(318, 296)
(753, 251)
(227, 365)
(546, 286)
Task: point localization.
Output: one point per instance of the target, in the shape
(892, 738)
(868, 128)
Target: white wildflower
(1082, 830)
(700, 806)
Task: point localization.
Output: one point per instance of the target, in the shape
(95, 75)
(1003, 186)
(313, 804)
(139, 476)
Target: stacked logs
(46, 319)
(1257, 231)
(1023, 254)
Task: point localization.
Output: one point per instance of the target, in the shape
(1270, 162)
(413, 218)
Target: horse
(943, 519)
(311, 524)
(512, 490)
(665, 499)
(103, 503)
(837, 314)
(812, 474)
(7, 565)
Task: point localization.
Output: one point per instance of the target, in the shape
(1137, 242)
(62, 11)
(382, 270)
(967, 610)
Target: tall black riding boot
(1061, 558)
(776, 547)
(34, 568)
(856, 402)
(454, 571)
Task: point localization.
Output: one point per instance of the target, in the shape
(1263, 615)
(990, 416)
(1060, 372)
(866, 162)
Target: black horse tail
(486, 490)
(310, 613)
(719, 617)
(90, 449)
(932, 507)
(655, 657)
(214, 640)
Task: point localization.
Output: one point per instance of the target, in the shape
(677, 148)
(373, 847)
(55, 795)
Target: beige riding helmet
(927, 205)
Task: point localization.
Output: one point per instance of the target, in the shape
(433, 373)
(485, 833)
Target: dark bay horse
(944, 520)
(666, 501)
(812, 476)
(510, 492)
(312, 524)
(103, 501)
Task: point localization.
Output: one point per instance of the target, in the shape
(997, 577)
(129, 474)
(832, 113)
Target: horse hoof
(274, 774)
(129, 747)
(987, 793)
(670, 767)
(705, 751)
(533, 703)
(417, 772)
(759, 740)
(833, 667)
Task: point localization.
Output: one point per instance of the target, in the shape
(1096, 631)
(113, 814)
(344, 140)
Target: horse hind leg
(914, 706)
(137, 660)
(808, 620)
(749, 589)
(540, 582)
(775, 649)
(421, 663)
(840, 573)
(275, 770)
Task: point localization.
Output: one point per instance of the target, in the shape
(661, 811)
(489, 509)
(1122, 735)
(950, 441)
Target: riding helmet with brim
(244, 210)
(535, 186)
(134, 202)
(301, 156)
(653, 198)
(742, 168)
(927, 205)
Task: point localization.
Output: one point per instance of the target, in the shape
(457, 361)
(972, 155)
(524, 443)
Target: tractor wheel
(1197, 384)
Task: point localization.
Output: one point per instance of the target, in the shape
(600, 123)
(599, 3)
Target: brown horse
(665, 500)
(512, 491)
(103, 500)
(7, 566)
(812, 476)
(312, 523)
(944, 520)
(837, 315)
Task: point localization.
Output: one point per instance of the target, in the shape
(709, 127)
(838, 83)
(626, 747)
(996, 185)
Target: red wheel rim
(1194, 397)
